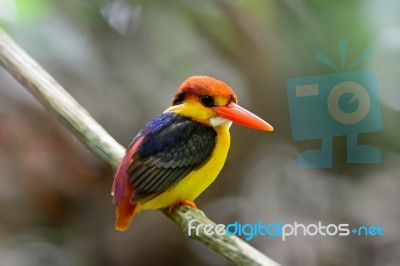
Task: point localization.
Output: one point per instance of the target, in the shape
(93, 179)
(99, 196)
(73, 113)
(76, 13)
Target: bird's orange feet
(181, 202)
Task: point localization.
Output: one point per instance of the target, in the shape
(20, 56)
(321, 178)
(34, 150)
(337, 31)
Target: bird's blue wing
(173, 145)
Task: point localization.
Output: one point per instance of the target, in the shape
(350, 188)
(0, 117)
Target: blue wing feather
(172, 146)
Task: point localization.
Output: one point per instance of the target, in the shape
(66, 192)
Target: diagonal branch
(46, 90)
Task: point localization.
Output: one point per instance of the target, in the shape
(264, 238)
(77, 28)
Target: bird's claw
(181, 202)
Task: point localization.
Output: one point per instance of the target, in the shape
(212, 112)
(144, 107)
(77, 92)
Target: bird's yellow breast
(192, 185)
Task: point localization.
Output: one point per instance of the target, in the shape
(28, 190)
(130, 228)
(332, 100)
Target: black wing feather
(173, 145)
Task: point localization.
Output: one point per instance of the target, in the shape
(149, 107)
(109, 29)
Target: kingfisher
(178, 154)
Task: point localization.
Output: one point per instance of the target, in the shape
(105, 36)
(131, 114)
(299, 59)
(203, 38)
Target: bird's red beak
(241, 116)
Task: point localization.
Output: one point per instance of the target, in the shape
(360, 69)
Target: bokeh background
(123, 61)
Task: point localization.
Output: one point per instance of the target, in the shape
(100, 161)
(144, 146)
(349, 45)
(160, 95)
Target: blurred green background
(123, 61)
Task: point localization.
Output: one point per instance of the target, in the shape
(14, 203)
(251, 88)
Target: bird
(178, 154)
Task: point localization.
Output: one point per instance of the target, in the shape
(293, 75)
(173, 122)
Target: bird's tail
(124, 215)
(121, 192)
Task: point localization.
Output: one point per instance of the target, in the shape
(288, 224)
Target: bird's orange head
(212, 102)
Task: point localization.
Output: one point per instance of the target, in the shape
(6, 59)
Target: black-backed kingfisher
(178, 154)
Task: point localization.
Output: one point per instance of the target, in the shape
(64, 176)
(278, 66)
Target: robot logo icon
(340, 104)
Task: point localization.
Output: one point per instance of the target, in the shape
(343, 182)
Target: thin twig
(46, 90)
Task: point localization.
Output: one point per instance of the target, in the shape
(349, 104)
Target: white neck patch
(174, 107)
(219, 121)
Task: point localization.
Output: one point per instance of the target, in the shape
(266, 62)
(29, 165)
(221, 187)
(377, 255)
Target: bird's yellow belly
(192, 185)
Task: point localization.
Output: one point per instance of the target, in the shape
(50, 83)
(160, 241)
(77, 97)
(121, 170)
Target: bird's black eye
(207, 100)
